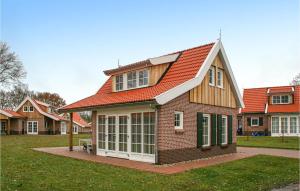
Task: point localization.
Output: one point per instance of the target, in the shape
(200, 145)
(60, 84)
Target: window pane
(285, 99)
(224, 130)
(293, 125)
(101, 131)
(284, 125)
(119, 82)
(131, 79)
(123, 133)
(136, 134)
(111, 132)
(205, 124)
(275, 125)
(149, 124)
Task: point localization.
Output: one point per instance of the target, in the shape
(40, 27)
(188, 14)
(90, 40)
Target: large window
(284, 125)
(212, 76)
(224, 130)
(143, 78)
(206, 130)
(123, 133)
(293, 125)
(119, 82)
(254, 121)
(131, 80)
(275, 124)
(101, 131)
(136, 132)
(280, 99)
(220, 78)
(178, 119)
(111, 133)
(32, 127)
(149, 124)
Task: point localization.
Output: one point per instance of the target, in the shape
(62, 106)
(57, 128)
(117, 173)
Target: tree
(11, 68)
(51, 98)
(11, 99)
(296, 80)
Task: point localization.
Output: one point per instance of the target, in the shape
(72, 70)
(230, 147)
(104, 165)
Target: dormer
(281, 95)
(140, 74)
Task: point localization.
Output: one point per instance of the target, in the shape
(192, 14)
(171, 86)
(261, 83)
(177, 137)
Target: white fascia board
(78, 124)
(5, 113)
(36, 107)
(164, 59)
(190, 84)
(228, 67)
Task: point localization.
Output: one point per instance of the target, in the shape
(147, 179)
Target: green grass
(269, 142)
(25, 169)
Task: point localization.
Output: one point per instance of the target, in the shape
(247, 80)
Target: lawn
(25, 169)
(269, 142)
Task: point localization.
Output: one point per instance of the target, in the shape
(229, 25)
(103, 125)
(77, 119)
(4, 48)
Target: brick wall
(180, 146)
(249, 129)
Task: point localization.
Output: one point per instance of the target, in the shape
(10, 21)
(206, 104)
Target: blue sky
(66, 44)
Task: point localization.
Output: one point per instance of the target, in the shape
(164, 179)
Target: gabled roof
(256, 100)
(36, 104)
(11, 113)
(185, 73)
(77, 119)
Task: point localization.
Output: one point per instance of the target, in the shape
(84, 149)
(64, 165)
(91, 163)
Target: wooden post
(8, 126)
(53, 126)
(71, 133)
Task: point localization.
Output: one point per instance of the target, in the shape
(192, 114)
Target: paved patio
(162, 169)
(243, 152)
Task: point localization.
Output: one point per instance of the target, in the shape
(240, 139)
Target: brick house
(36, 117)
(177, 107)
(271, 111)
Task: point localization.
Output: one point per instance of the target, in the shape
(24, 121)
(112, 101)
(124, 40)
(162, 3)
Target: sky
(66, 44)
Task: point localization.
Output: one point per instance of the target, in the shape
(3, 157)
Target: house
(80, 126)
(36, 117)
(271, 111)
(177, 107)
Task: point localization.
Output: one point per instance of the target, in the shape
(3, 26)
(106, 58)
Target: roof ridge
(270, 87)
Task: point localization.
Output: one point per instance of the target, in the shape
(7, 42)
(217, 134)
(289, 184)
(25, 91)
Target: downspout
(156, 135)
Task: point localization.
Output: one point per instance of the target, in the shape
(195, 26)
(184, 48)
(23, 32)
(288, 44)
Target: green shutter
(229, 129)
(213, 129)
(199, 129)
(219, 127)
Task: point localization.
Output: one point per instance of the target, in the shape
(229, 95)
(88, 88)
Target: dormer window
(131, 80)
(119, 82)
(281, 99)
(143, 78)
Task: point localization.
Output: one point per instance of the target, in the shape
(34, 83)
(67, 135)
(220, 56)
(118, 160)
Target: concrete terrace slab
(162, 169)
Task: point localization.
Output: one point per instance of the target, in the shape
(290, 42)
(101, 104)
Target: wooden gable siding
(155, 73)
(30, 115)
(212, 95)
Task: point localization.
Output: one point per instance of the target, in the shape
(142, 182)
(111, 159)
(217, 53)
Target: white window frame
(226, 130)
(254, 118)
(208, 131)
(213, 69)
(180, 113)
(75, 127)
(138, 78)
(280, 99)
(222, 78)
(63, 125)
(121, 82)
(24, 108)
(280, 130)
(37, 127)
(30, 108)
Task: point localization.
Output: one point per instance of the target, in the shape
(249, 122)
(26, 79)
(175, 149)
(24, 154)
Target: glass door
(111, 133)
(123, 136)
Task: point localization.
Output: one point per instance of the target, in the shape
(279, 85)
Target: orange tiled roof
(256, 99)
(183, 69)
(13, 113)
(78, 119)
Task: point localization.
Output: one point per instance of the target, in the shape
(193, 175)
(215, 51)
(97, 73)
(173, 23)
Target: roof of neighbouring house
(79, 121)
(11, 113)
(256, 100)
(182, 75)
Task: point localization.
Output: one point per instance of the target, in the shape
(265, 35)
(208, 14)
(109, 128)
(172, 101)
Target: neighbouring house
(271, 111)
(36, 117)
(80, 126)
(177, 107)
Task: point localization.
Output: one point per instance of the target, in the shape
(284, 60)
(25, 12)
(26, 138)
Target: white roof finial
(220, 34)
